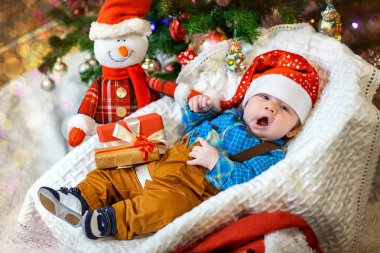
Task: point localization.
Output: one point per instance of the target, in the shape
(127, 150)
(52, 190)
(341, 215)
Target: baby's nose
(123, 51)
(269, 109)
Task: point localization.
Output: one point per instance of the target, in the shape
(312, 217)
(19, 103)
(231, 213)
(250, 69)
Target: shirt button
(236, 118)
(195, 134)
(215, 127)
(121, 112)
(121, 92)
(249, 135)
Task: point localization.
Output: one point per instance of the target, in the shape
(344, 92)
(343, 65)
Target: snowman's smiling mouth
(109, 54)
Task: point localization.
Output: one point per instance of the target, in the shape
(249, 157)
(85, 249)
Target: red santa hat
(119, 17)
(284, 75)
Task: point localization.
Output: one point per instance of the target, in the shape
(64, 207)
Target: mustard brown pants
(175, 188)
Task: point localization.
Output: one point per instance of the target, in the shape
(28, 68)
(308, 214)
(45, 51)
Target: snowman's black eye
(124, 40)
(118, 40)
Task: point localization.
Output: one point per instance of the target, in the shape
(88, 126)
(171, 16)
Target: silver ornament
(83, 67)
(47, 84)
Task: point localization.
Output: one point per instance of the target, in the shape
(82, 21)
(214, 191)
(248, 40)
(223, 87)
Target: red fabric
(144, 95)
(115, 74)
(193, 93)
(101, 102)
(279, 62)
(161, 85)
(116, 11)
(248, 233)
(149, 124)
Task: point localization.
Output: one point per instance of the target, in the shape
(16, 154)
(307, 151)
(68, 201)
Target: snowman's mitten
(79, 126)
(76, 136)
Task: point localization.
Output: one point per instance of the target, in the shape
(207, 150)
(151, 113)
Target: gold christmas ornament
(93, 62)
(59, 67)
(331, 24)
(151, 65)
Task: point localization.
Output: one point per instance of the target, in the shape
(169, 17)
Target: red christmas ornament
(223, 3)
(176, 30)
(184, 15)
(186, 56)
(209, 39)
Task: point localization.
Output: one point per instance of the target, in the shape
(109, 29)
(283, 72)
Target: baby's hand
(204, 155)
(200, 103)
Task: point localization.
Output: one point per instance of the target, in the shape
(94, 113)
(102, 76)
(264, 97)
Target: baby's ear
(294, 130)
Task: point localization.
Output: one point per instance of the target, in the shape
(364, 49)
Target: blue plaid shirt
(228, 134)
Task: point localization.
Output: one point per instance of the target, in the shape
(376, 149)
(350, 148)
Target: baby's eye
(285, 108)
(265, 97)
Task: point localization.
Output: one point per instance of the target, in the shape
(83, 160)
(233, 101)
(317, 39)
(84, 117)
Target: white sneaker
(65, 206)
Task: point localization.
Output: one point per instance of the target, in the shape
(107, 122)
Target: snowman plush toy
(120, 45)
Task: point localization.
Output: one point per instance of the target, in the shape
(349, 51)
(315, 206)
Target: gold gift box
(122, 156)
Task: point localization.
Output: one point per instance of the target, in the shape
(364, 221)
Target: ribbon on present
(131, 137)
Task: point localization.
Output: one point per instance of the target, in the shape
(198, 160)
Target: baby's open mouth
(262, 121)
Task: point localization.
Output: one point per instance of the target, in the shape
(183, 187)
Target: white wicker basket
(325, 178)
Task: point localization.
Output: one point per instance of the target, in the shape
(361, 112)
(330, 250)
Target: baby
(281, 89)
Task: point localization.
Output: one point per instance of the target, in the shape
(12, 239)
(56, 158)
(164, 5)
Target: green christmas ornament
(235, 58)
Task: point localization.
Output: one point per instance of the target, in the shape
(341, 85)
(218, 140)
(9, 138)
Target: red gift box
(131, 141)
(149, 124)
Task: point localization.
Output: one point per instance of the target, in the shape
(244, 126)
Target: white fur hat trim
(282, 88)
(106, 31)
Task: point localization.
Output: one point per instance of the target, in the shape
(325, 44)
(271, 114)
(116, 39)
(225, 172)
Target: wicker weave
(325, 177)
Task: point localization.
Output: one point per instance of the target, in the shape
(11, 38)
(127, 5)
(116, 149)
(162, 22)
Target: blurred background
(46, 63)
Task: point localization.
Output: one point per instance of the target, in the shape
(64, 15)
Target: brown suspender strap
(254, 151)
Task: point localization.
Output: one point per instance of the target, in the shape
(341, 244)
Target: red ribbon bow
(146, 146)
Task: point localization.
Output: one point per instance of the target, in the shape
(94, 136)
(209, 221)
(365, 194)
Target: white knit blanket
(325, 177)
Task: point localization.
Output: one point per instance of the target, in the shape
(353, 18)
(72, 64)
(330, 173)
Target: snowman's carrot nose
(123, 50)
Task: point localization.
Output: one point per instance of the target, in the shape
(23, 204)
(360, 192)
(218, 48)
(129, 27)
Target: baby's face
(270, 118)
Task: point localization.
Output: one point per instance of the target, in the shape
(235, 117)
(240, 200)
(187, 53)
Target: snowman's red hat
(120, 17)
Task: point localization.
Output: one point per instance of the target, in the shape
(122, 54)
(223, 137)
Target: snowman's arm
(83, 123)
(90, 100)
(161, 85)
(166, 87)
